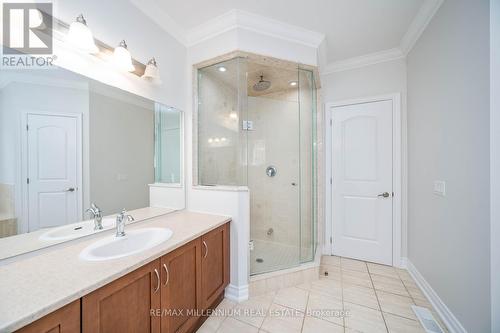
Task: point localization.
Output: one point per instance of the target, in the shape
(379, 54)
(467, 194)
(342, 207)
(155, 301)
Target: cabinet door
(180, 291)
(64, 320)
(214, 264)
(125, 305)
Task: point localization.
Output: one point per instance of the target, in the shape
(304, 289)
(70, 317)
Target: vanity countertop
(27, 242)
(33, 287)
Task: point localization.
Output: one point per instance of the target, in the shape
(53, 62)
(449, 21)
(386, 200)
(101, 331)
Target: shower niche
(256, 123)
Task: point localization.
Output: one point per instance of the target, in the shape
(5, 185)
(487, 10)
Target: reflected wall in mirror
(168, 155)
(67, 141)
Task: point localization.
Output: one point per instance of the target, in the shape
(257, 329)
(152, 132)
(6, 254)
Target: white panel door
(53, 172)
(362, 181)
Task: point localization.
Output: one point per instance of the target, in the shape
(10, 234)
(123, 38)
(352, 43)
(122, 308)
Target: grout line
(378, 301)
(305, 312)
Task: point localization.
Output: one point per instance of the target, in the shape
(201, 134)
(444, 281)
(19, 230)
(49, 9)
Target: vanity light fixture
(152, 73)
(80, 36)
(293, 83)
(122, 57)
(222, 69)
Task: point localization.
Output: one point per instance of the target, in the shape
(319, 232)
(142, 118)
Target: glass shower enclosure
(256, 127)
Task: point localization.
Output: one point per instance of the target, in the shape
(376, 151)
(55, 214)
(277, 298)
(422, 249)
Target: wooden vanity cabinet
(125, 305)
(166, 295)
(181, 288)
(64, 320)
(214, 265)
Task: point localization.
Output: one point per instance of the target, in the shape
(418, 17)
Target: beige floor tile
(333, 272)
(330, 260)
(293, 297)
(357, 278)
(361, 296)
(254, 310)
(325, 307)
(256, 288)
(388, 284)
(382, 270)
(395, 304)
(410, 283)
(211, 324)
(397, 324)
(353, 265)
(416, 293)
(363, 319)
(226, 304)
(423, 303)
(404, 275)
(231, 325)
(315, 325)
(283, 320)
(328, 287)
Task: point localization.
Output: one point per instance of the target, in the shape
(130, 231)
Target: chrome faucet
(120, 222)
(97, 215)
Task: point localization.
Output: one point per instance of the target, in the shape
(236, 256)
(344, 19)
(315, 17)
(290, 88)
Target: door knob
(385, 195)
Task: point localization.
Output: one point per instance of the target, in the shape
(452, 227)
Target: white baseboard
(443, 311)
(236, 294)
(403, 263)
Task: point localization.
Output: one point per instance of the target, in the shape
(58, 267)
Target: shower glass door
(273, 157)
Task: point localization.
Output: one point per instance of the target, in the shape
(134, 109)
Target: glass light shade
(81, 37)
(122, 58)
(152, 73)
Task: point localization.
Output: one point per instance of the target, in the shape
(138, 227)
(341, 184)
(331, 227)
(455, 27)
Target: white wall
(495, 162)
(448, 136)
(379, 79)
(114, 20)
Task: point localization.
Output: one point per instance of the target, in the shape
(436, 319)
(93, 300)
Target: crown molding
(239, 19)
(161, 18)
(419, 24)
(362, 61)
(415, 30)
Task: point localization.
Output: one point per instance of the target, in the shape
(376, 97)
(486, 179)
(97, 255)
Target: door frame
(24, 162)
(399, 187)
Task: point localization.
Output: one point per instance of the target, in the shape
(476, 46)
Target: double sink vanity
(161, 276)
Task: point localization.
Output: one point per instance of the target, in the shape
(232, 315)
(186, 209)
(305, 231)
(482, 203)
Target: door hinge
(331, 122)
(331, 240)
(27, 180)
(331, 181)
(27, 127)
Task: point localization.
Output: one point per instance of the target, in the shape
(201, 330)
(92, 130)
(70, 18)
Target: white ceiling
(352, 28)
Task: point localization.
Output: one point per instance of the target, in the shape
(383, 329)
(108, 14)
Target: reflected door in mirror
(53, 146)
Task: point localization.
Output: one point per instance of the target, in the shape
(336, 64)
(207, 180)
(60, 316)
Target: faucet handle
(95, 208)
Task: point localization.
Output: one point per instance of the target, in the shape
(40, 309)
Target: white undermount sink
(133, 242)
(75, 230)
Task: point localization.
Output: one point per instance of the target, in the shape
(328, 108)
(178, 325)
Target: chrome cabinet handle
(168, 274)
(206, 249)
(385, 195)
(71, 189)
(157, 279)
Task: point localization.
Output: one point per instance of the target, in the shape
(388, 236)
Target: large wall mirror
(69, 143)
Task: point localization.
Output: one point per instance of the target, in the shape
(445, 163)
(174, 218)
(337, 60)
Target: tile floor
(374, 298)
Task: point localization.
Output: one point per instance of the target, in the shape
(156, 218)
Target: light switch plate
(440, 187)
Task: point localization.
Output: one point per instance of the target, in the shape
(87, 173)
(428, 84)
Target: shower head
(262, 84)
